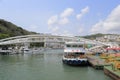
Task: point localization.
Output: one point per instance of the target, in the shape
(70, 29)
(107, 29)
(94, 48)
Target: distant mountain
(8, 29)
(94, 36)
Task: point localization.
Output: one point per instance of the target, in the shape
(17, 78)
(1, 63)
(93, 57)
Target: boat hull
(79, 62)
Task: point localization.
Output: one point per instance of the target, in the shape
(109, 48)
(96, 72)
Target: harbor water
(46, 66)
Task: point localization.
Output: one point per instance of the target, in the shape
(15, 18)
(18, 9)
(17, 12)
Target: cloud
(54, 23)
(57, 21)
(60, 23)
(52, 20)
(55, 29)
(60, 19)
(82, 13)
(85, 10)
(80, 30)
(63, 21)
(110, 25)
(66, 33)
(67, 12)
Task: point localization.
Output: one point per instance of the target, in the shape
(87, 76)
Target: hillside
(8, 29)
(94, 36)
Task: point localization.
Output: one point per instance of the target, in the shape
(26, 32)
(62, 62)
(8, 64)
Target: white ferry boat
(74, 54)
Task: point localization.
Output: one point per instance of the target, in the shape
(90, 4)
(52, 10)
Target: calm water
(44, 67)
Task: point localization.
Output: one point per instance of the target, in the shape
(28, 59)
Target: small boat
(74, 54)
(26, 50)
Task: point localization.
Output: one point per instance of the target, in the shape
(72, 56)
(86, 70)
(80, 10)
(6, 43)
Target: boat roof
(74, 50)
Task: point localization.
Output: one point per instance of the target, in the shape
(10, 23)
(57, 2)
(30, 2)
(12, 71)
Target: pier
(114, 74)
(96, 62)
(111, 68)
(5, 52)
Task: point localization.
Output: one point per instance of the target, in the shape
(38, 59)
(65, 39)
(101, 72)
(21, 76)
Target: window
(68, 45)
(74, 46)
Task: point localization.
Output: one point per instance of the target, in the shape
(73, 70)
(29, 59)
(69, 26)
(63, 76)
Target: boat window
(80, 46)
(68, 45)
(74, 46)
(82, 53)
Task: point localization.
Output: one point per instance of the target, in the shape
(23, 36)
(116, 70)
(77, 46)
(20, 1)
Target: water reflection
(48, 66)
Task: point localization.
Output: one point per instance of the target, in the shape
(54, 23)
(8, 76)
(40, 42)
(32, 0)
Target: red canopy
(113, 48)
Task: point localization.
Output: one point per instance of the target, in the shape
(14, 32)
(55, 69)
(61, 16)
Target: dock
(114, 74)
(5, 51)
(96, 62)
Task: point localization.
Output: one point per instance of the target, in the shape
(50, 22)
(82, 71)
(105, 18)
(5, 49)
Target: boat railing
(75, 56)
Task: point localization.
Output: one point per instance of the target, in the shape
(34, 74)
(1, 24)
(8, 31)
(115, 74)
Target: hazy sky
(63, 17)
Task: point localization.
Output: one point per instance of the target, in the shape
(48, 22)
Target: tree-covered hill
(94, 36)
(8, 29)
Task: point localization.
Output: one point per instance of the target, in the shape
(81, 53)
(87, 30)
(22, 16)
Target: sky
(63, 17)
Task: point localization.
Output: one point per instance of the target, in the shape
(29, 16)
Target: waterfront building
(113, 39)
